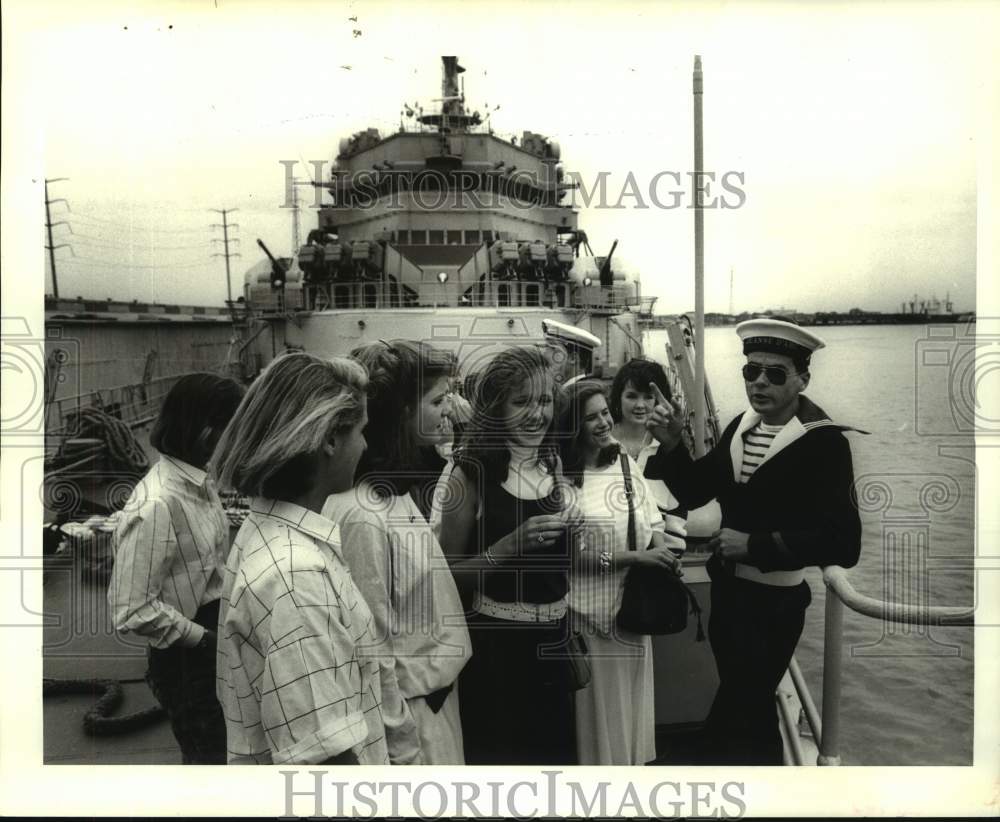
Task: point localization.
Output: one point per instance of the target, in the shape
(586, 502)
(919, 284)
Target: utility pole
(225, 225)
(48, 225)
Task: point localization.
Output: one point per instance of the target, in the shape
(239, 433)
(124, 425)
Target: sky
(856, 128)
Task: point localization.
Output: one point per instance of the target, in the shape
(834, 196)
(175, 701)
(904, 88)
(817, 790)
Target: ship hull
(473, 335)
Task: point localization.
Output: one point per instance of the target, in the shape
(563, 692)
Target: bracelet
(605, 560)
(488, 553)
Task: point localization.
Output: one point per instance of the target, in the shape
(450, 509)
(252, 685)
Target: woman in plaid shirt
(294, 679)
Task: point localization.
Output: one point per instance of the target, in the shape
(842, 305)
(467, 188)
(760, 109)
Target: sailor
(571, 351)
(783, 475)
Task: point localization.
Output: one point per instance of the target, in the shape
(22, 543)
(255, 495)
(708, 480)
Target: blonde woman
(295, 683)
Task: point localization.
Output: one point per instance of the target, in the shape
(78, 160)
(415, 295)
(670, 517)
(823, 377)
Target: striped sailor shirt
(293, 678)
(756, 443)
(161, 577)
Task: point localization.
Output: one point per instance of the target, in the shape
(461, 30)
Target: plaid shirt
(293, 681)
(160, 581)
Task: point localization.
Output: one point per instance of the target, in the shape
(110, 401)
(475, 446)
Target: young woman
(295, 682)
(631, 402)
(615, 712)
(170, 551)
(504, 531)
(394, 557)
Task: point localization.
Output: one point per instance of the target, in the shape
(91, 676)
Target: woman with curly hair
(504, 529)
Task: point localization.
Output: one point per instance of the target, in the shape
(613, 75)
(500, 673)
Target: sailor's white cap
(778, 337)
(569, 334)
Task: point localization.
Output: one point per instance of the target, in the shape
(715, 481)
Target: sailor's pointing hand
(667, 420)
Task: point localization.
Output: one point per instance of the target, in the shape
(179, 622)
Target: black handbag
(570, 664)
(579, 664)
(654, 600)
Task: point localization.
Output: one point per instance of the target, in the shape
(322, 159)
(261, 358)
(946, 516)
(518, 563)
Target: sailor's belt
(519, 611)
(783, 579)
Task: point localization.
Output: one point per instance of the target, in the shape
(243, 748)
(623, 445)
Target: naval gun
(607, 276)
(278, 270)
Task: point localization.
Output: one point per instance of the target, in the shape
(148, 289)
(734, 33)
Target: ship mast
(699, 270)
(451, 100)
(452, 117)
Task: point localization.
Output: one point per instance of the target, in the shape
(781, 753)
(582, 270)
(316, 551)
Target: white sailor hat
(569, 334)
(778, 337)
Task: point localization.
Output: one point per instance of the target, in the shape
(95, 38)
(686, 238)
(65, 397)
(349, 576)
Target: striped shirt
(293, 679)
(160, 578)
(756, 443)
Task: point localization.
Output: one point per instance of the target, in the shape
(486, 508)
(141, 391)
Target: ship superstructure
(447, 231)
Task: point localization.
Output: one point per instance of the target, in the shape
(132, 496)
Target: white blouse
(596, 597)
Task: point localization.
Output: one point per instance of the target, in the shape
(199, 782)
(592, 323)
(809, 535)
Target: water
(907, 695)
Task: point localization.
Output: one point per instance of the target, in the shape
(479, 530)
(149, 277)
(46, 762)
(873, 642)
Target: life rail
(841, 593)
(380, 293)
(134, 404)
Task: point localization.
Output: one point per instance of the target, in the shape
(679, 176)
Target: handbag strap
(629, 494)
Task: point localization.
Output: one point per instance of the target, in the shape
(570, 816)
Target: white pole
(699, 269)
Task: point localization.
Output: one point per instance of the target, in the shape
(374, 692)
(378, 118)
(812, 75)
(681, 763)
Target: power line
(48, 225)
(134, 226)
(92, 261)
(225, 226)
(89, 239)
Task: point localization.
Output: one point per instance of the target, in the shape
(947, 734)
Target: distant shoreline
(826, 319)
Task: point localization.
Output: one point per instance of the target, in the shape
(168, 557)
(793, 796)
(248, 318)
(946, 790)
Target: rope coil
(98, 721)
(118, 442)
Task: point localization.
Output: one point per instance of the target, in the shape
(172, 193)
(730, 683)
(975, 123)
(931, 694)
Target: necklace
(632, 444)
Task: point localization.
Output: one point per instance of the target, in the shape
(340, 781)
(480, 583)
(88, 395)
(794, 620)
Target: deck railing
(840, 594)
(374, 294)
(134, 404)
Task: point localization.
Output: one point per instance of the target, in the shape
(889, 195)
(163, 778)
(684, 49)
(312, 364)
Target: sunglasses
(776, 375)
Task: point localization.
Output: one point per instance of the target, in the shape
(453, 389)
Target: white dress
(615, 713)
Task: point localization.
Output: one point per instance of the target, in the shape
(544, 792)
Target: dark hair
(194, 403)
(570, 429)
(399, 374)
(640, 373)
(484, 455)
